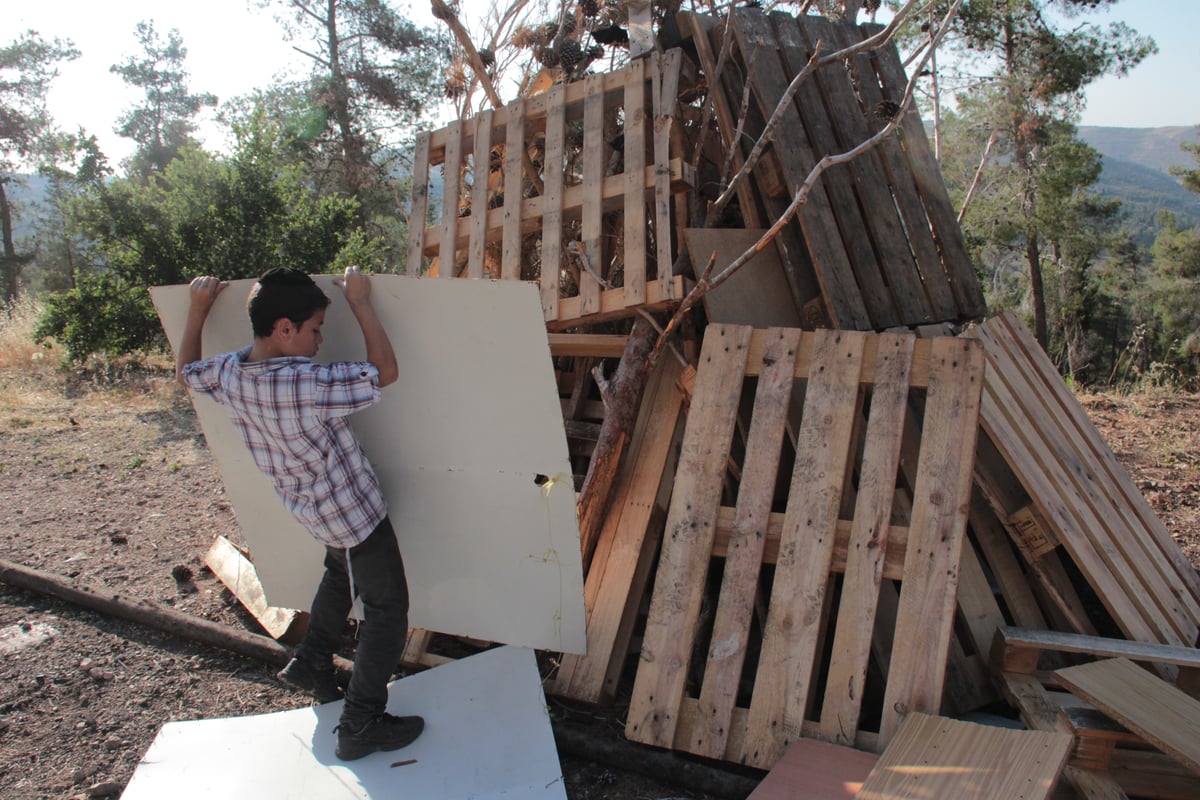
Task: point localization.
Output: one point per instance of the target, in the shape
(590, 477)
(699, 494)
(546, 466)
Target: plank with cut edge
(816, 770)
(480, 194)
(787, 661)
(634, 146)
(939, 757)
(739, 583)
(1015, 649)
(611, 585)
(687, 542)
(591, 226)
(940, 501)
(239, 576)
(868, 541)
(514, 191)
(419, 207)
(1142, 702)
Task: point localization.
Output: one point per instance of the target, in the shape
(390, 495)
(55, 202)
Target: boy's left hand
(204, 291)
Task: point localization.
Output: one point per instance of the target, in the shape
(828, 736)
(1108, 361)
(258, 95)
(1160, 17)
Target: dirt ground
(106, 479)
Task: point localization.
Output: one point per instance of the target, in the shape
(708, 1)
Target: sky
(234, 46)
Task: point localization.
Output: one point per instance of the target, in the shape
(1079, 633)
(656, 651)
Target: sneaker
(319, 682)
(379, 734)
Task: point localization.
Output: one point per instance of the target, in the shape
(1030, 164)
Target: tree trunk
(10, 263)
(1037, 288)
(621, 400)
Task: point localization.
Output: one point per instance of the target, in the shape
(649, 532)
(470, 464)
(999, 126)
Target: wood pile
(827, 523)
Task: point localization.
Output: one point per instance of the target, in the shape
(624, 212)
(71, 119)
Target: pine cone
(487, 56)
(569, 53)
(590, 8)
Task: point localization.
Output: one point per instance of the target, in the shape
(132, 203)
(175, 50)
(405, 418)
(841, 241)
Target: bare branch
(987, 151)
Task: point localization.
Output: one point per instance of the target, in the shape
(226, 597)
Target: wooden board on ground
(939, 757)
(234, 570)
(816, 770)
(717, 686)
(1142, 702)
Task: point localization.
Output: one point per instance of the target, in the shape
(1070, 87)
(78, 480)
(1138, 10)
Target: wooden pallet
(1081, 502)
(845, 395)
(534, 202)
(877, 241)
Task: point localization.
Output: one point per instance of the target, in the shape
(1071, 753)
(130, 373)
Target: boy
(291, 413)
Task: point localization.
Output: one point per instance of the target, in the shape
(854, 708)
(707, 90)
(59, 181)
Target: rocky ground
(105, 479)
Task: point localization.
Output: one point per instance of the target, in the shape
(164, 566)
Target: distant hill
(1136, 171)
(1156, 148)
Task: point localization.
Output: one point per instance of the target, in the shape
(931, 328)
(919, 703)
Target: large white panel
(487, 735)
(458, 444)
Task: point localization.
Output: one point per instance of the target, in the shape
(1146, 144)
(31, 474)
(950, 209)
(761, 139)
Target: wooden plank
(825, 246)
(1145, 773)
(918, 377)
(1002, 562)
(849, 126)
(419, 206)
(967, 292)
(940, 500)
(554, 172)
(687, 541)
(600, 345)
(868, 543)
(903, 185)
(1015, 649)
(839, 180)
(1143, 703)
(480, 194)
(451, 178)
(594, 149)
(816, 770)
(625, 546)
(665, 82)
(739, 583)
(234, 570)
(514, 191)
(634, 146)
(939, 757)
(787, 659)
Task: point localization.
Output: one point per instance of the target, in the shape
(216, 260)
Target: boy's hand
(204, 291)
(355, 285)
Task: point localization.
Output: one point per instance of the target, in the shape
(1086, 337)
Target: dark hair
(282, 293)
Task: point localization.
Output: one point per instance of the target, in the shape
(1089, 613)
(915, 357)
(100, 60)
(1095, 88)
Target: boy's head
(283, 293)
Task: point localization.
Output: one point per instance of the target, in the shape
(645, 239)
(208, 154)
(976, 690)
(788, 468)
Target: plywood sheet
(818, 770)
(458, 444)
(486, 736)
(939, 757)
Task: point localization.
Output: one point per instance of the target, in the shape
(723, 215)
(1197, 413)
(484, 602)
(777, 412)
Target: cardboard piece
(459, 443)
(487, 735)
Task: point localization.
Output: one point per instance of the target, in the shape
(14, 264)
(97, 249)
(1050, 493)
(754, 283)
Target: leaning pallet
(542, 188)
(742, 689)
(1082, 504)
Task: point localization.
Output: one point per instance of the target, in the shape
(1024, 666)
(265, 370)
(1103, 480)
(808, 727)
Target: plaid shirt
(291, 414)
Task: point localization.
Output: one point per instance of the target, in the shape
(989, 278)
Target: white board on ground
(459, 442)
(487, 735)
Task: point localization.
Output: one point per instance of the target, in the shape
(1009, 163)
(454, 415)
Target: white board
(487, 735)
(458, 444)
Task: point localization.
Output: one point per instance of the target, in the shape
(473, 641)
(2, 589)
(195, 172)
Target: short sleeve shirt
(291, 413)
